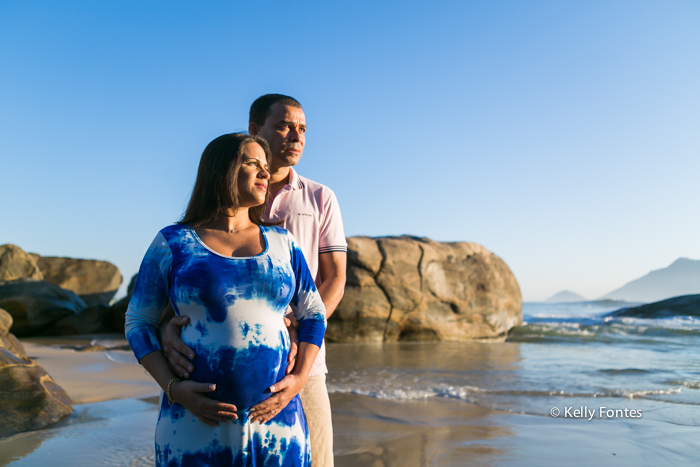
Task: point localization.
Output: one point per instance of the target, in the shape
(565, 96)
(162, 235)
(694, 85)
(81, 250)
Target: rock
(29, 398)
(365, 252)
(361, 318)
(408, 288)
(16, 264)
(114, 318)
(91, 321)
(7, 340)
(36, 305)
(686, 305)
(95, 282)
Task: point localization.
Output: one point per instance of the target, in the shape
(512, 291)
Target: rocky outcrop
(37, 305)
(686, 305)
(91, 321)
(115, 316)
(29, 398)
(416, 289)
(16, 264)
(54, 296)
(95, 282)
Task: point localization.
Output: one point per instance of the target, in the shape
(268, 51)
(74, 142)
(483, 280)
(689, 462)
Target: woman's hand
(207, 410)
(285, 389)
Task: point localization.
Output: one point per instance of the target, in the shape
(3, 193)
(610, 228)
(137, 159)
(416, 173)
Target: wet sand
(92, 375)
(379, 433)
(116, 411)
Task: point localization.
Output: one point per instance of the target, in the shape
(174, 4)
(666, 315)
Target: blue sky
(562, 136)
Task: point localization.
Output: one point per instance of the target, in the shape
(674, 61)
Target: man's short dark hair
(260, 109)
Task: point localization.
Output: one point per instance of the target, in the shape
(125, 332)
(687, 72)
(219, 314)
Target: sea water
(568, 355)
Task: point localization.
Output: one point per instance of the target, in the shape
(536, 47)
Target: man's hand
(175, 351)
(284, 390)
(207, 410)
(294, 339)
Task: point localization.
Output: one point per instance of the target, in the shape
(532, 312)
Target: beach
(426, 404)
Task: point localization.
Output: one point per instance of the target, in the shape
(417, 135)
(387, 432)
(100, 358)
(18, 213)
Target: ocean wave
(536, 329)
(472, 393)
(640, 394)
(688, 383)
(625, 371)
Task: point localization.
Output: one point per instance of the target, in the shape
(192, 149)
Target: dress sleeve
(306, 303)
(149, 298)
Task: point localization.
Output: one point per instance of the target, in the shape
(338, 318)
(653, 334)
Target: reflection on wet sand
(382, 433)
(118, 432)
(402, 424)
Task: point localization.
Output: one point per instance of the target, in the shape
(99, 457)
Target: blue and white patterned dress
(236, 330)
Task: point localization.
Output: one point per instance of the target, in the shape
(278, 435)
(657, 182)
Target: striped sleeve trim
(329, 249)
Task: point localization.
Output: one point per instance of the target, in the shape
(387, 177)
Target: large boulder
(91, 321)
(37, 305)
(408, 288)
(114, 318)
(16, 264)
(95, 282)
(29, 398)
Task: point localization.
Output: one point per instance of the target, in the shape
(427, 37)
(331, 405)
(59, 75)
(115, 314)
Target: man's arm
(332, 268)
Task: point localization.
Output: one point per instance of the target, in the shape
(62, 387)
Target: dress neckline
(262, 229)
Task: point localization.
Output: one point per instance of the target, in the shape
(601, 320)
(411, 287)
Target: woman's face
(253, 176)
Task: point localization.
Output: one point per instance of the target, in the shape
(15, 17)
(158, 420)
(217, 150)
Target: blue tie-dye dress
(236, 306)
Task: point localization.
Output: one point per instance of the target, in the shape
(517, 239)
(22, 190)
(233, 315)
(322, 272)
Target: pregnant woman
(234, 276)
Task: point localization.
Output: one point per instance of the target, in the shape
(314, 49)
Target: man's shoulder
(313, 186)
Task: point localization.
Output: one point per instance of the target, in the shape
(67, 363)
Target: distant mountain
(566, 296)
(680, 278)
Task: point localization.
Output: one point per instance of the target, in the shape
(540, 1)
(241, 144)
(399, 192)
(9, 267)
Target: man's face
(285, 131)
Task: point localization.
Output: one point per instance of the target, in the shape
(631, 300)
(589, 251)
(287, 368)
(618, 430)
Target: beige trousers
(317, 407)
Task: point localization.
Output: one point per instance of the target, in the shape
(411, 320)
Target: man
(311, 213)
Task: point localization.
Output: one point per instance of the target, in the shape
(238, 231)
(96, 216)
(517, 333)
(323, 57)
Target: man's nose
(296, 135)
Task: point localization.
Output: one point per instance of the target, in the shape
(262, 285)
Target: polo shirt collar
(294, 180)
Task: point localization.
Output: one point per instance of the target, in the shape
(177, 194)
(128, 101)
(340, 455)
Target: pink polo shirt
(312, 215)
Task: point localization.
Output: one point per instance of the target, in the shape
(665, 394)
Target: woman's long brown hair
(215, 191)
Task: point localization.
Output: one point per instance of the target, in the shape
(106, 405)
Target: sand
(92, 375)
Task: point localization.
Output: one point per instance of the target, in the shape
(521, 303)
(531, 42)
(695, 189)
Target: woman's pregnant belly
(243, 356)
